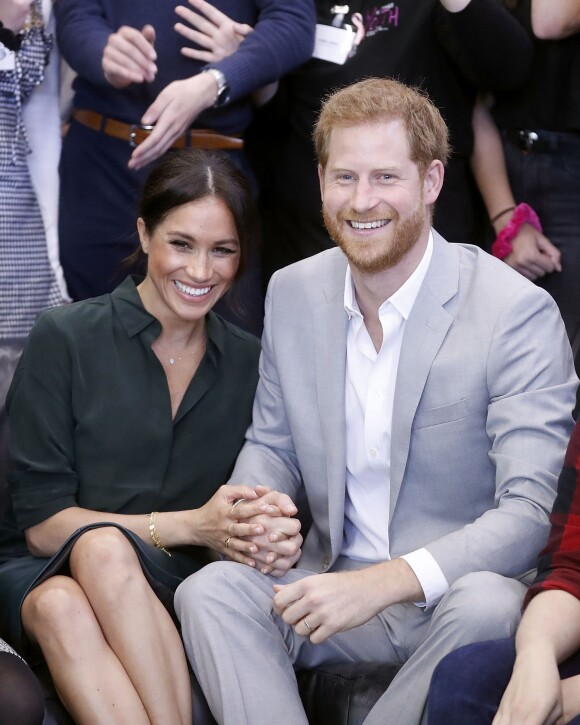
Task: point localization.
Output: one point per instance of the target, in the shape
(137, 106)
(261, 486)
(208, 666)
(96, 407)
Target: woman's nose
(199, 267)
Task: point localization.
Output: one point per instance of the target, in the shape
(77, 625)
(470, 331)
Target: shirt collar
(403, 299)
(135, 319)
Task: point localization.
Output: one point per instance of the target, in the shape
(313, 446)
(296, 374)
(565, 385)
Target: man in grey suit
(421, 393)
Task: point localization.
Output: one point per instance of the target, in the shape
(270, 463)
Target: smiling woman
(127, 412)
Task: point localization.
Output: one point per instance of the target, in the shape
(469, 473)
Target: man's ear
(143, 235)
(321, 181)
(433, 181)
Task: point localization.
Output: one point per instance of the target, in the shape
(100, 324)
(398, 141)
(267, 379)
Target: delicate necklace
(177, 358)
(172, 360)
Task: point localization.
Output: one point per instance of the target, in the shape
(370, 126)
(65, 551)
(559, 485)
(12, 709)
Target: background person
(540, 128)
(28, 283)
(534, 679)
(131, 71)
(442, 46)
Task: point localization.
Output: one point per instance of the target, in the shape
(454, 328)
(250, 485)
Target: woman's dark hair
(191, 175)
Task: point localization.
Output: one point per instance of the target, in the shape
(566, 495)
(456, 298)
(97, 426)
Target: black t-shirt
(550, 97)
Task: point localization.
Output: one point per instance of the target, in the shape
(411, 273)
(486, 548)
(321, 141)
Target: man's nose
(364, 196)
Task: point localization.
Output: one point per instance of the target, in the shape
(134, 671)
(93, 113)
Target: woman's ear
(143, 235)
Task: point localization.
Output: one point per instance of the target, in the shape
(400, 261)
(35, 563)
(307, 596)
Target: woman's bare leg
(135, 624)
(88, 676)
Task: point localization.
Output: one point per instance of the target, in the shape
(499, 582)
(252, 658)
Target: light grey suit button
(325, 563)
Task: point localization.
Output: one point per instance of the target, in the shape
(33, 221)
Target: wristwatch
(223, 91)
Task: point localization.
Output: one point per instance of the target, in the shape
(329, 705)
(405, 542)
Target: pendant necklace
(177, 358)
(172, 360)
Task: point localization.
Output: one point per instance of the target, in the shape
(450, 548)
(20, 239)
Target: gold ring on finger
(227, 542)
(308, 627)
(236, 503)
(230, 532)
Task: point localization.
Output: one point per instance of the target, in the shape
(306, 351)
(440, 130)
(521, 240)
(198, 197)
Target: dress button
(325, 563)
(373, 452)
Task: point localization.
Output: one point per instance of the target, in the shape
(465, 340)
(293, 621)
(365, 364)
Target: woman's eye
(179, 244)
(225, 251)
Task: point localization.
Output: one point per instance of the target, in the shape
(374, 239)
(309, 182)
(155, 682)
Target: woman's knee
(106, 553)
(468, 684)
(53, 607)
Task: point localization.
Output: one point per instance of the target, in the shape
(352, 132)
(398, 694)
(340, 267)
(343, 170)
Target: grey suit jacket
(482, 411)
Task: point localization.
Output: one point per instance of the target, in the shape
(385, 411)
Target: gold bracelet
(155, 536)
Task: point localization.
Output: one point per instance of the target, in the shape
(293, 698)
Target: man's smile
(377, 224)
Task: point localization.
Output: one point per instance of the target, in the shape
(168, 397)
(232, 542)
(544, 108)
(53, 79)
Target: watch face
(222, 96)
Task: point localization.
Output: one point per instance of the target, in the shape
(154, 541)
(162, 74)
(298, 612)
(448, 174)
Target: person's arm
(337, 602)
(548, 633)
(45, 484)
(553, 19)
(82, 32)
(283, 37)
(216, 36)
(550, 628)
(486, 42)
(533, 254)
(268, 457)
(531, 386)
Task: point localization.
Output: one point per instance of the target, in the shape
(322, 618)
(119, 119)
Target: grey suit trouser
(244, 655)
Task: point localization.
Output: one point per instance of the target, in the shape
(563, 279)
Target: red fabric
(559, 562)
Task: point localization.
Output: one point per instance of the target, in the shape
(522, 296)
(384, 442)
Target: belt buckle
(527, 140)
(133, 128)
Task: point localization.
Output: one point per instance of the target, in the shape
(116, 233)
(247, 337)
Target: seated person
(127, 412)
(418, 394)
(534, 678)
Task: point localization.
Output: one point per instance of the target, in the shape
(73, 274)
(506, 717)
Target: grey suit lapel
(331, 324)
(425, 331)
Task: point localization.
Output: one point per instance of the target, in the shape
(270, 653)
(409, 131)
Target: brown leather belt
(135, 133)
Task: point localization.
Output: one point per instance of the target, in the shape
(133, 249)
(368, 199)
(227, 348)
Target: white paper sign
(333, 44)
(7, 61)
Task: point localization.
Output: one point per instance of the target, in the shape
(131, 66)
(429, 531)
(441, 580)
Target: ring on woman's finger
(236, 503)
(308, 627)
(227, 542)
(230, 532)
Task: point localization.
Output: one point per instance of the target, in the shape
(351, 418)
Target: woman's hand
(211, 525)
(13, 14)
(129, 56)
(534, 693)
(218, 35)
(533, 254)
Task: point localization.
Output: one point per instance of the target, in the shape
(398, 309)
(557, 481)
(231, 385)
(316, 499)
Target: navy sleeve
(283, 38)
(82, 31)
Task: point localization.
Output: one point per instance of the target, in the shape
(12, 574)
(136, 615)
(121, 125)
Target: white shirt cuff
(429, 574)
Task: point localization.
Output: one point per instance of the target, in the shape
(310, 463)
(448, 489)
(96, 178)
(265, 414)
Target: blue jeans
(468, 684)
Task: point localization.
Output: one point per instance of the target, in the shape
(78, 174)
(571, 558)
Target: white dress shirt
(369, 394)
